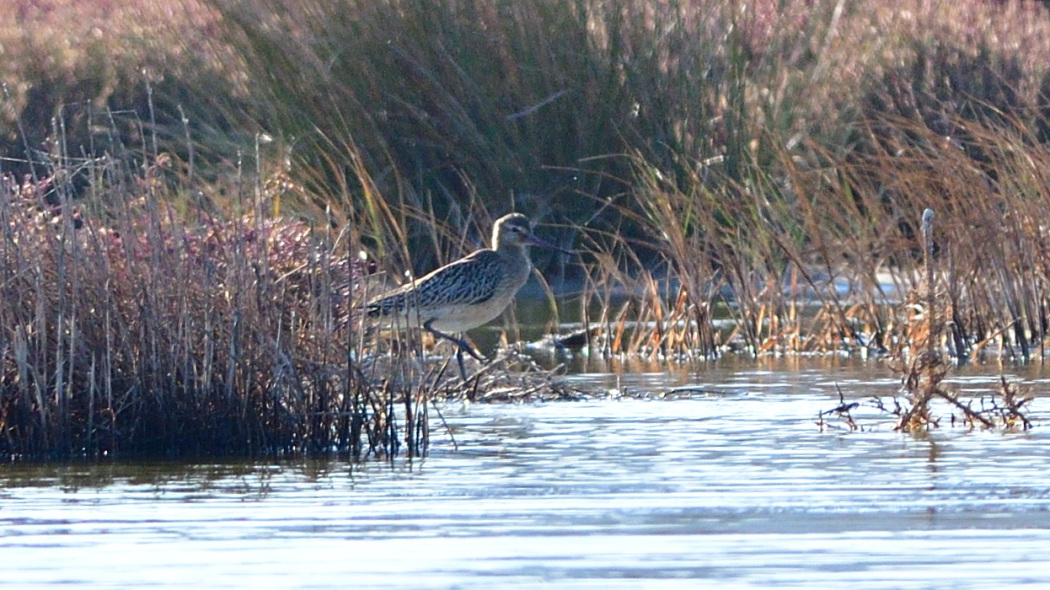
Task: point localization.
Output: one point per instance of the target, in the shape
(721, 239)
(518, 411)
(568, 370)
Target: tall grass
(528, 105)
(841, 239)
(127, 330)
(528, 100)
(764, 161)
(151, 313)
(136, 321)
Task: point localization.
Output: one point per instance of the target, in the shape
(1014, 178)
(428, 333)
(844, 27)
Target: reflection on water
(736, 486)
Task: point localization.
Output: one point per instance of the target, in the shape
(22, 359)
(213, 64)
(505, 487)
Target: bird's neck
(511, 250)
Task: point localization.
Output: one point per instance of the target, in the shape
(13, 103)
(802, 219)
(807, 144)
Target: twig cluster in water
(923, 384)
(843, 411)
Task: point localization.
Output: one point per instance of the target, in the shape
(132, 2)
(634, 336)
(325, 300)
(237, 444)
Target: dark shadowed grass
(446, 104)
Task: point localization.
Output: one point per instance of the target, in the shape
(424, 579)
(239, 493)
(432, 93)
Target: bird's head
(515, 231)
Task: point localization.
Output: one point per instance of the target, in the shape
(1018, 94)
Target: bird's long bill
(533, 240)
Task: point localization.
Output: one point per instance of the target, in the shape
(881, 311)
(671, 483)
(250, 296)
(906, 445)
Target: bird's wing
(469, 281)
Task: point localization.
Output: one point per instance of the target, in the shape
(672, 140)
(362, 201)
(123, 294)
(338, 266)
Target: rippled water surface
(736, 486)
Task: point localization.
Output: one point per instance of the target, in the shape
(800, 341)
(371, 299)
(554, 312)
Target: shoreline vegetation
(195, 195)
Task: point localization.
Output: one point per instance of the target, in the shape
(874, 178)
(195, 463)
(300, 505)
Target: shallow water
(736, 486)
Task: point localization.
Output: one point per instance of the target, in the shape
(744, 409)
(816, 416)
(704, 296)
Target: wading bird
(466, 293)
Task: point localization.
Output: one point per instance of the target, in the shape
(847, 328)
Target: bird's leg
(459, 360)
(461, 345)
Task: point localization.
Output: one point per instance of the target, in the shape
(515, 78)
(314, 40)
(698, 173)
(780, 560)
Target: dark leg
(459, 360)
(461, 345)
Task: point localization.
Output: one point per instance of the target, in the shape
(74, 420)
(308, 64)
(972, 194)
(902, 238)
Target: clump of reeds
(129, 328)
(138, 319)
(818, 256)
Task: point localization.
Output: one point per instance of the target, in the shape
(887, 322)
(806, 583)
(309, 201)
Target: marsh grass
(138, 321)
(828, 256)
(530, 103)
(740, 176)
(820, 258)
(761, 160)
(127, 331)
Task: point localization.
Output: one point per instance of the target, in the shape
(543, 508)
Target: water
(736, 486)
